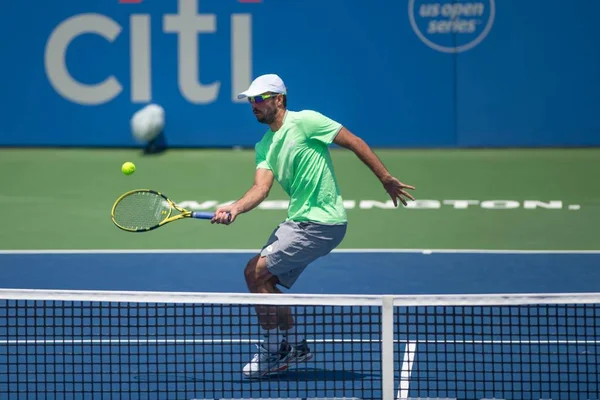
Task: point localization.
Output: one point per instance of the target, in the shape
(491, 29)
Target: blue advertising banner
(409, 73)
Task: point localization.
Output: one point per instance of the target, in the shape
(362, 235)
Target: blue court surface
(341, 272)
(472, 352)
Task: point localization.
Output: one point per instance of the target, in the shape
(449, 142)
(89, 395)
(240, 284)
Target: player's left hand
(396, 190)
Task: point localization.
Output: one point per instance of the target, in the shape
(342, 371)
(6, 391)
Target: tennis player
(294, 151)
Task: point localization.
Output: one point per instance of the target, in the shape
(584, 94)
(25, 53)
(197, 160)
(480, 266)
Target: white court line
(253, 251)
(411, 346)
(407, 365)
(166, 341)
(515, 341)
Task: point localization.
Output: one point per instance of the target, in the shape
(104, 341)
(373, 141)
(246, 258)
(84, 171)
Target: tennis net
(168, 345)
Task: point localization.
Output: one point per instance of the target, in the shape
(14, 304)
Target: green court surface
(518, 199)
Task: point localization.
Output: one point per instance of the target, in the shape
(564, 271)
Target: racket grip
(202, 215)
(205, 215)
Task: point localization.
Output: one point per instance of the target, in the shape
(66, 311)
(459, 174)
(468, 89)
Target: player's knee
(250, 274)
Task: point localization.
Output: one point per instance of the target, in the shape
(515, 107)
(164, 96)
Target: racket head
(141, 210)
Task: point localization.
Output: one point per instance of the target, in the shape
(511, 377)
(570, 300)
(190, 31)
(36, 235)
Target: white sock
(291, 336)
(271, 340)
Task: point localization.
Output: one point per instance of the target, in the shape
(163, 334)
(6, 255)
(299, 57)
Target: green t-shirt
(299, 157)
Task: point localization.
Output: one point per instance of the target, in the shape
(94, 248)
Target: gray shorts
(294, 245)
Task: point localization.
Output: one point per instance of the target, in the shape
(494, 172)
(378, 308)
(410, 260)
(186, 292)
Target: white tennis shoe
(265, 363)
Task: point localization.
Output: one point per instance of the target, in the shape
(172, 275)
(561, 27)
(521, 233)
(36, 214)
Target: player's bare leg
(276, 353)
(260, 280)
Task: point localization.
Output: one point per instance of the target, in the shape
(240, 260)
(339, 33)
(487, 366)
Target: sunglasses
(262, 97)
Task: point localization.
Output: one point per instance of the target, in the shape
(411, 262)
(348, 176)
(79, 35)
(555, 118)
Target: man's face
(264, 107)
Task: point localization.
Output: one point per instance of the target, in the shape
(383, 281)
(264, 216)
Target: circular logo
(451, 26)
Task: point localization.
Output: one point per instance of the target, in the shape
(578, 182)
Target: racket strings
(141, 210)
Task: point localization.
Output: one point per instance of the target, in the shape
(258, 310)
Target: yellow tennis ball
(128, 168)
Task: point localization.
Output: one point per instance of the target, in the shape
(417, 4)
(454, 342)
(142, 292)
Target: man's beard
(266, 116)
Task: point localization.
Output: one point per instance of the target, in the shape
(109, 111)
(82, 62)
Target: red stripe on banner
(130, 1)
(250, 1)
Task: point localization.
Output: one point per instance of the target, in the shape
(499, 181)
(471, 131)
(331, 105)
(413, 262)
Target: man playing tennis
(294, 151)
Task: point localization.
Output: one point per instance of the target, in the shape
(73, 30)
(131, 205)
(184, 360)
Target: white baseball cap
(263, 84)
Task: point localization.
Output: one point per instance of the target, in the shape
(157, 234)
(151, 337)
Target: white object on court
(148, 123)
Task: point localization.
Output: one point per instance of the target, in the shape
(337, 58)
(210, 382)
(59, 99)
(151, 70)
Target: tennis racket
(143, 210)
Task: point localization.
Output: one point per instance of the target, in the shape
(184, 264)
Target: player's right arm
(263, 181)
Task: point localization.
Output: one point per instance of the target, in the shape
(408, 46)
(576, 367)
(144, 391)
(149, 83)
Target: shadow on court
(303, 375)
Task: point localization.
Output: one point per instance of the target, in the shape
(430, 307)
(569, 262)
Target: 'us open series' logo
(451, 26)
